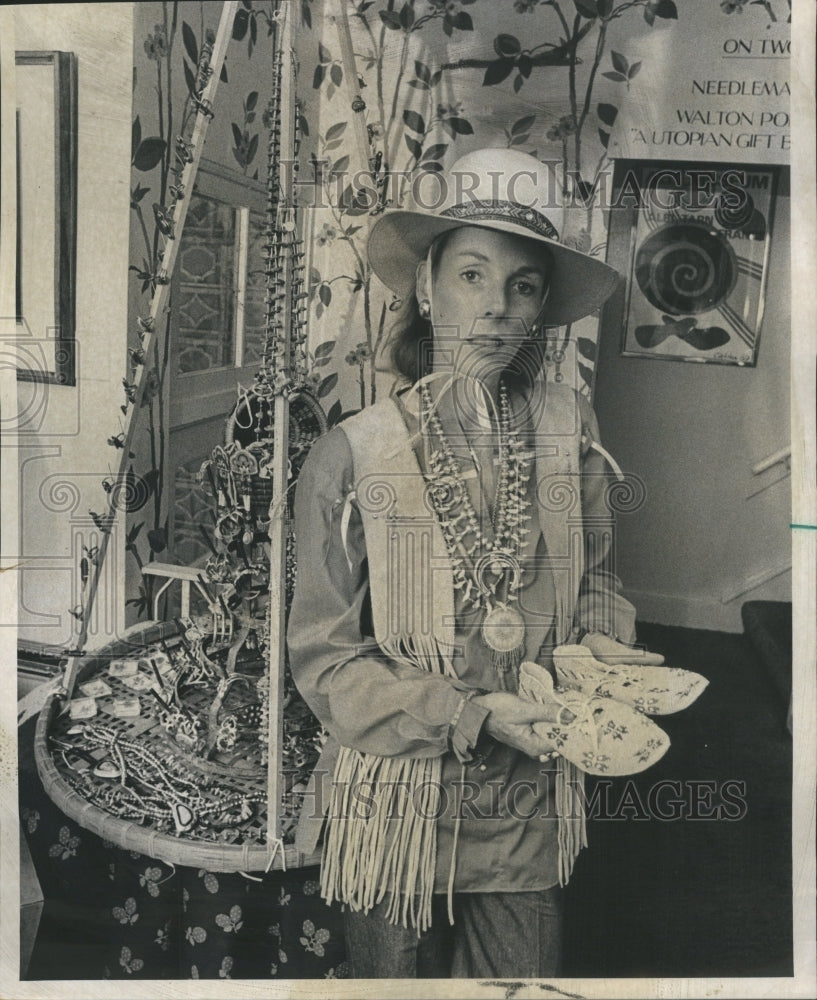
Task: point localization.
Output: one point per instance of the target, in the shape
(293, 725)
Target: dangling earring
(425, 308)
(533, 329)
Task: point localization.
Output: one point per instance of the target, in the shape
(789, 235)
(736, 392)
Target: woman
(437, 550)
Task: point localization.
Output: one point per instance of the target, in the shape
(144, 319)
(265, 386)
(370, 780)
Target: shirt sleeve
(365, 699)
(600, 606)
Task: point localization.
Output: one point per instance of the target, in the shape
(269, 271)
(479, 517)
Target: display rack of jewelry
(177, 745)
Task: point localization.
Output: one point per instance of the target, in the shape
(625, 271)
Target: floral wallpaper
(430, 80)
(170, 40)
(440, 78)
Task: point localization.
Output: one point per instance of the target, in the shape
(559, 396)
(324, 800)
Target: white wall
(692, 432)
(63, 455)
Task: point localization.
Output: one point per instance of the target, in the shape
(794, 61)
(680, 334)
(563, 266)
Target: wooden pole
(157, 307)
(278, 527)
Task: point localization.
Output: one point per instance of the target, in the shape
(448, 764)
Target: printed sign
(730, 98)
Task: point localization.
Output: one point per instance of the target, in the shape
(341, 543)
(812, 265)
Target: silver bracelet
(465, 698)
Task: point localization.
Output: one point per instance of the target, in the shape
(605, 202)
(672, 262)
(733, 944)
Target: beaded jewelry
(165, 793)
(484, 567)
(227, 733)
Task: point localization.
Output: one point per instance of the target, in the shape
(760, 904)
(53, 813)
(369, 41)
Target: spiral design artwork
(130, 494)
(376, 495)
(62, 496)
(685, 268)
(443, 494)
(558, 494)
(624, 496)
(735, 216)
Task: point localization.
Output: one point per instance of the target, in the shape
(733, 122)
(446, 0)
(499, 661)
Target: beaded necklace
(163, 795)
(487, 571)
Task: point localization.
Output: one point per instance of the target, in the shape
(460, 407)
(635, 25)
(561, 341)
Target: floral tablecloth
(114, 914)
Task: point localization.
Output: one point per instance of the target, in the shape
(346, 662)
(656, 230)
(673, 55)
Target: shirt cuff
(466, 725)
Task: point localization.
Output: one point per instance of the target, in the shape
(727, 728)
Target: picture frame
(699, 238)
(45, 280)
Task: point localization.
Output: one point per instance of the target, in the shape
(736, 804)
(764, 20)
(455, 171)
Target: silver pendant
(183, 816)
(503, 629)
(107, 769)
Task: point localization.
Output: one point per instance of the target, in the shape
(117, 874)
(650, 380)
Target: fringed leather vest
(388, 849)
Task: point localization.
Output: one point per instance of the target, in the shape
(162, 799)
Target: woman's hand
(612, 652)
(511, 719)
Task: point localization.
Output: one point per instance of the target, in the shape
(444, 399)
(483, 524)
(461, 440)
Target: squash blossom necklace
(487, 571)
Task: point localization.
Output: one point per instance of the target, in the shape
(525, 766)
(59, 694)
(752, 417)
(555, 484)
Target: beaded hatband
(504, 211)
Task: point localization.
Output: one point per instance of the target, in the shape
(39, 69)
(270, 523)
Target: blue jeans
(495, 934)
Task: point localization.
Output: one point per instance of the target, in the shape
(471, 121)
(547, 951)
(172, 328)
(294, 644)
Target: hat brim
(399, 240)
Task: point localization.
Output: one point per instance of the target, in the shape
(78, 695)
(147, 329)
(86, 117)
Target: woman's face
(487, 289)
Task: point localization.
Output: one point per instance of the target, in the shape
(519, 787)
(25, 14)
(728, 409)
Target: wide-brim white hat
(500, 189)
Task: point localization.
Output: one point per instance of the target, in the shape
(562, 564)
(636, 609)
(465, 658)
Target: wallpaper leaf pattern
(422, 67)
(169, 55)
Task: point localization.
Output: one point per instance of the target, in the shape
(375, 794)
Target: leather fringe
(381, 837)
(572, 820)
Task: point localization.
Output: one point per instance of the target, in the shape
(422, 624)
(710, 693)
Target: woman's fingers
(612, 652)
(538, 747)
(521, 736)
(531, 712)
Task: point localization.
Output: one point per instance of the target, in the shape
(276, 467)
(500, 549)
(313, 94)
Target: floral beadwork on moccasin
(598, 734)
(651, 690)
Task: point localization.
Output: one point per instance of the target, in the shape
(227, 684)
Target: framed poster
(45, 281)
(700, 237)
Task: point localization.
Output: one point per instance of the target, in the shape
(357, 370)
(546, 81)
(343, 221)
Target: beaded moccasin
(599, 735)
(652, 690)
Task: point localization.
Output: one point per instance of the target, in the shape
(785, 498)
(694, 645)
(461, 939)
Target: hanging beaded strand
(299, 361)
(277, 244)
